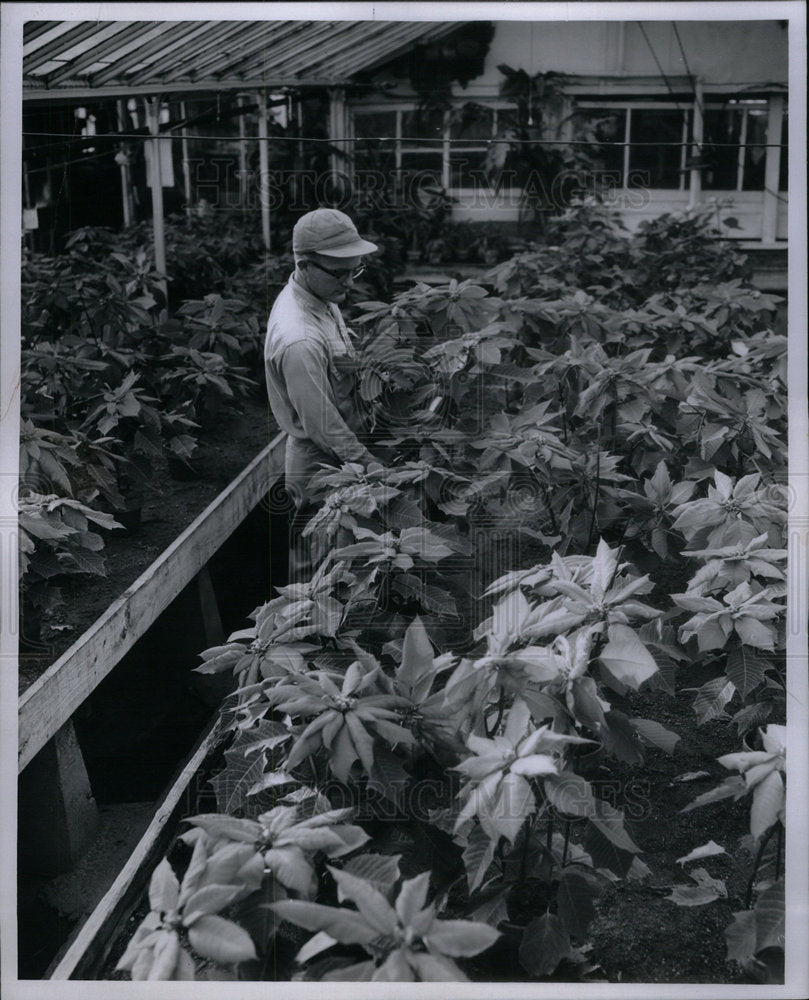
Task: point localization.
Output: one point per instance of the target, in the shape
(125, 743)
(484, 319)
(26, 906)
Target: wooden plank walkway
(53, 698)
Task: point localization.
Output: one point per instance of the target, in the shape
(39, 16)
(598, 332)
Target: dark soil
(226, 447)
(639, 935)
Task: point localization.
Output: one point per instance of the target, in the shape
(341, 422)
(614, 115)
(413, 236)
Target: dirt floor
(225, 449)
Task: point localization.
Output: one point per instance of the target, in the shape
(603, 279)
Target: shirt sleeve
(303, 368)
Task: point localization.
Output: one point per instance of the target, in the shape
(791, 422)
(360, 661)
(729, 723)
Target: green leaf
(768, 801)
(734, 786)
(544, 944)
(417, 661)
(380, 870)
(576, 898)
(220, 939)
(232, 784)
(435, 968)
(620, 738)
(711, 699)
(459, 938)
(692, 895)
(770, 918)
(209, 899)
(605, 854)
(626, 657)
(477, 856)
(610, 822)
(570, 794)
(223, 827)
(655, 734)
(339, 922)
(412, 897)
(708, 850)
(164, 889)
(741, 937)
(376, 910)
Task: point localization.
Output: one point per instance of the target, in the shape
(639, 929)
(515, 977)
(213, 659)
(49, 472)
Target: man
(309, 360)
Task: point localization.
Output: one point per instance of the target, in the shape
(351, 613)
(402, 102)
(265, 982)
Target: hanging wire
(413, 140)
(691, 76)
(659, 67)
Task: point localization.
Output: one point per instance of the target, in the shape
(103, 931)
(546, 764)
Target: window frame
(709, 102)
(445, 147)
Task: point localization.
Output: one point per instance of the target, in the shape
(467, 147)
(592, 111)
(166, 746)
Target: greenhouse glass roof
(67, 57)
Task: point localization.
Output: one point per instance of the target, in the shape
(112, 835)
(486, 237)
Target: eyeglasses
(339, 275)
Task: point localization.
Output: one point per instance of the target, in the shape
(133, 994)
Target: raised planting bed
(110, 689)
(53, 698)
(547, 626)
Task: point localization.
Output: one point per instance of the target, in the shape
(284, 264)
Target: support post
(153, 109)
(58, 817)
(126, 197)
(186, 164)
(337, 133)
(211, 619)
(695, 177)
(263, 169)
(242, 157)
(772, 169)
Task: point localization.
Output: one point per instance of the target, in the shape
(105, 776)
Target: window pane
(421, 124)
(371, 124)
(603, 131)
(380, 159)
(422, 163)
(755, 150)
(466, 168)
(783, 176)
(472, 122)
(721, 126)
(655, 166)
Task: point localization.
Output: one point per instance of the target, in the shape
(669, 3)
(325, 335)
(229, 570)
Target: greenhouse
(409, 545)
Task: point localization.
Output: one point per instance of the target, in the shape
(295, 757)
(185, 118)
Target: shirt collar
(307, 297)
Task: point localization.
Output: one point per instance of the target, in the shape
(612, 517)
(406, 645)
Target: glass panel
(422, 163)
(466, 168)
(472, 122)
(722, 126)
(656, 166)
(603, 131)
(379, 159)
(420, 124)
(371, 124)
(755, 154)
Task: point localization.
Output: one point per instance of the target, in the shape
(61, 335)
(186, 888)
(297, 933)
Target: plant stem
(501, 704)
(548, 504)
(526, 841)
(597, 490)
(759, 854)
(567, 843)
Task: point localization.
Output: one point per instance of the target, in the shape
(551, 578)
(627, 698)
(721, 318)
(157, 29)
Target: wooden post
(263, 169)
(58, 817)
(153, 109)
(242, 157)
(186, 164)
(126, 197)
(772, 168)
(337, 134)
(695, 177)
(211, 619)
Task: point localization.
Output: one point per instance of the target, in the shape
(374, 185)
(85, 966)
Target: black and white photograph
(405, 500)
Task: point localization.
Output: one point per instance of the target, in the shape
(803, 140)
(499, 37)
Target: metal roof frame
(117, 58)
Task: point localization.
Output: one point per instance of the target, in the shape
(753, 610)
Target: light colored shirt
(308, 362)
